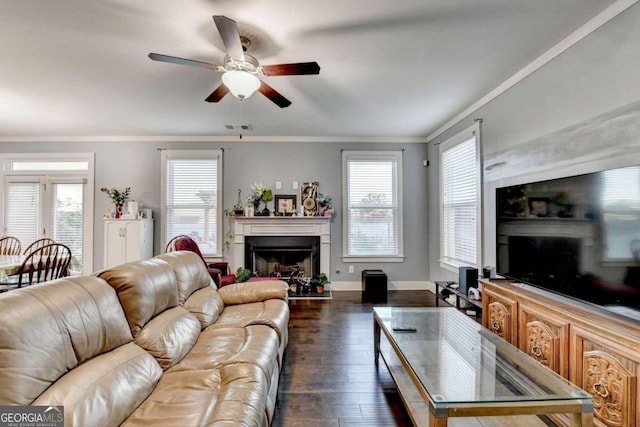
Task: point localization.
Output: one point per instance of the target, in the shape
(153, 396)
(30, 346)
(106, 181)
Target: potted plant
(293, 287)
(242, 274)
(267, 196)
(118, 197)
(323, 281)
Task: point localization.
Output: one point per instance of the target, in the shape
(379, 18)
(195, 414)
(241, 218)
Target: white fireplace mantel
(283, 226)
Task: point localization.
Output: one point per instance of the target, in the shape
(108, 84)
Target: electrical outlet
(278, 185)
(351, 269)
(295, 185)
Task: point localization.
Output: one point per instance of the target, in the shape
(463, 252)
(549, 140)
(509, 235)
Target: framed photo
(538, 206)
(308, 196)
(285, 204)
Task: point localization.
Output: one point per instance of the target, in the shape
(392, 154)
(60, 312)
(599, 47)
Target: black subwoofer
(467, 278)
(374, 286)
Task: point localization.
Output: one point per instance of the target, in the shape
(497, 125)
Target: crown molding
(217, 138)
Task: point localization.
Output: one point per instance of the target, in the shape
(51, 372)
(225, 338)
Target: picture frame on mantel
(538, 206)
(285, 204)
(308, 196)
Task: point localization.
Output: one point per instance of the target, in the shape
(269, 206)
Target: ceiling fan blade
(182, 61)
(218, 94)
(273, 95)
(291, 69)
(228, 30)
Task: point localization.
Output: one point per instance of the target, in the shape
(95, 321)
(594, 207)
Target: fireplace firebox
(282, 256)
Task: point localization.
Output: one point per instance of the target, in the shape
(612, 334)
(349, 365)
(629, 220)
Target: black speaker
(467, 278)
(374, 286)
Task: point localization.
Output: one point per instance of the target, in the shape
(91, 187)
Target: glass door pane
(66, 216)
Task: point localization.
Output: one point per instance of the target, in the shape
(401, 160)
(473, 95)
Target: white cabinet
(127, 240)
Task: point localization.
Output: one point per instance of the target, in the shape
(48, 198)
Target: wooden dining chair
(38, 244)
(46, 263)
(10, 245)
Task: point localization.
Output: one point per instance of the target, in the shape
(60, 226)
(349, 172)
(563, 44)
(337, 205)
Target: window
(620, 207)
(460, 200)
(49, 195)
(192, 197)
(372, 197)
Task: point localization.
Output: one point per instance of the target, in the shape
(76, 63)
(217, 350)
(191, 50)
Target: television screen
(578, 236)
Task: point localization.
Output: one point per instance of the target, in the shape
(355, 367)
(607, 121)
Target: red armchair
(226, 277)
(219, 271)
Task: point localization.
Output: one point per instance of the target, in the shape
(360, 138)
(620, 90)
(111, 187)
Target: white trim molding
(391, 286)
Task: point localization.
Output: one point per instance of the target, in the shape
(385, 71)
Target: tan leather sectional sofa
(148, 343)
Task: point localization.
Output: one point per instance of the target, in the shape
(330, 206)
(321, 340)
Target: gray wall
(137, 164)
(574, 115)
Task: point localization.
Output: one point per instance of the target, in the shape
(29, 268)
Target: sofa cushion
(105, 390)
(273, 313)
(247, 292)
(206, 305)
(233, 395)
(169, 336)
(48, 329)
(191, 273)
(257, 345)
(145, 288)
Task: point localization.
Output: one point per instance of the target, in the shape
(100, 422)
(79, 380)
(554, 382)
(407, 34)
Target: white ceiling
(388, 68)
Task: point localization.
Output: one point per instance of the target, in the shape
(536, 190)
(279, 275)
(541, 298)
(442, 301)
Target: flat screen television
(577, 236)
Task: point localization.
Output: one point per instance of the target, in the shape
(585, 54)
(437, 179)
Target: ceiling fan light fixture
(241, 84)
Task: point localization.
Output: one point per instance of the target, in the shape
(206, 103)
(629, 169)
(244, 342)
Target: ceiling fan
(241, 69)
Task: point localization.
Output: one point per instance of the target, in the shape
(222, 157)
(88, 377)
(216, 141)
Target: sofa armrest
(248, 292)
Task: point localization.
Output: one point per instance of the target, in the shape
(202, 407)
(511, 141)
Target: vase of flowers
(118, 197)
(325, 205)
(260, 193)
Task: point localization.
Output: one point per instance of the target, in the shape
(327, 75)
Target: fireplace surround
(288, 230)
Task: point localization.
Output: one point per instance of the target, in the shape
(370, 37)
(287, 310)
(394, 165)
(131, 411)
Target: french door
(45, 206)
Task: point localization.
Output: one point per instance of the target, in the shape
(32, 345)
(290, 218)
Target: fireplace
(551, 262)
(261, 243)
(282, 256)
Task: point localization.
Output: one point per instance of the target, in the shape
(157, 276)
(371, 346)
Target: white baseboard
(391, 285)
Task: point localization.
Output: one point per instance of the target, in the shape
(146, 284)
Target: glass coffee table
(446, 365)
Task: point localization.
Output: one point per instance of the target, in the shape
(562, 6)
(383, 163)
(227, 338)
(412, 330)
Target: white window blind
(372, 205)
(23, 211)
(460, 201)
(193, 198)
(620, 204)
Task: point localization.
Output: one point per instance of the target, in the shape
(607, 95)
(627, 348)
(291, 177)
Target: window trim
(472, 131)
(213, 154)
(396, 155)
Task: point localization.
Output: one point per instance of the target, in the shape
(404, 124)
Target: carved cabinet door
(544, 337)
(499, 315)
(611, 375)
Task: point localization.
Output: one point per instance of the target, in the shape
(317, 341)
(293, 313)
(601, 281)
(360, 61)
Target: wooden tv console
(593, 349)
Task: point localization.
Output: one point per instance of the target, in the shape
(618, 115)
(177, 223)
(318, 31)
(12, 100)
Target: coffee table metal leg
(582, 420)
(437, 422)
(376, 341)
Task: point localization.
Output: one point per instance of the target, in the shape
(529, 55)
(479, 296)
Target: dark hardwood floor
(329, 377)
